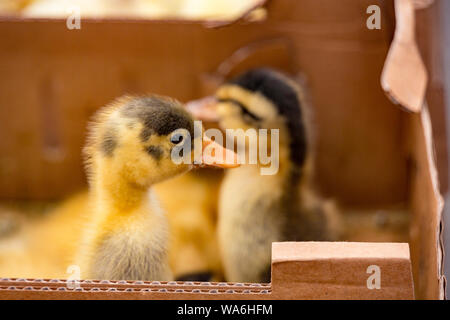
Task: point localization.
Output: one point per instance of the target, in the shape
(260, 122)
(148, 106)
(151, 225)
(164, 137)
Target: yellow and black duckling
(254, 209)
(129, 150)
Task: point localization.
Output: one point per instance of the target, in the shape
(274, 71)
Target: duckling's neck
(114, 194)
(127, 233)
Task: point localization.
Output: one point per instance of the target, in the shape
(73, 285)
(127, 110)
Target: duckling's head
(260, 99)
(132, 141)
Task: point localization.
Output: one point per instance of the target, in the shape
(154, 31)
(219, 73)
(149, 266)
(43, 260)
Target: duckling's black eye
(176, 138)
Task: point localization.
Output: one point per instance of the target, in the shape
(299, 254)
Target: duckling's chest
(245, 192)
(132, 248)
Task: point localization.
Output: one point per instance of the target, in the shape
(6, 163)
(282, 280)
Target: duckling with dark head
(129, 149)
(254, 209)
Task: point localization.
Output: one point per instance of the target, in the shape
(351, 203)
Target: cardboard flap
(427, 205)
(438, 199)
(404, 76)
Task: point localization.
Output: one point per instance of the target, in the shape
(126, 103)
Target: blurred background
(384, 223)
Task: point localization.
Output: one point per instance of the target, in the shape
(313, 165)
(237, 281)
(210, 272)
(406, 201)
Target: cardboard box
(370, 151)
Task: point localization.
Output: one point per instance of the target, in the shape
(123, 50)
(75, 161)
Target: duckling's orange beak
(203, 109)
(211, 152)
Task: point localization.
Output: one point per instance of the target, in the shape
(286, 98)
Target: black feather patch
(146, 133)
(159, 116)
(285, 98)
(155, 152)
(109, 143)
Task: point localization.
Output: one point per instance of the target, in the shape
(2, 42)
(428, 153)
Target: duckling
(254, 209)
(129, 149)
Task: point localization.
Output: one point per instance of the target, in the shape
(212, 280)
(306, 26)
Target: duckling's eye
(176, 138)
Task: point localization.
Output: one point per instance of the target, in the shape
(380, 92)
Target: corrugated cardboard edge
(108, 289)
(427, 128)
